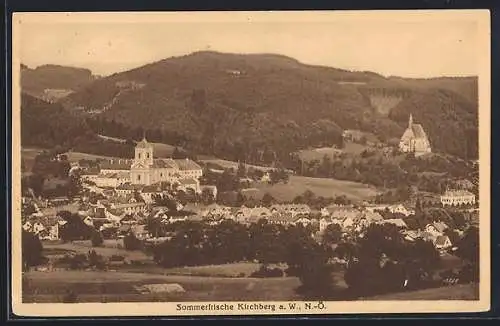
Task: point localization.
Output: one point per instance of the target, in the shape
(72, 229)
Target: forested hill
(54, 81)
(225, 104)
(49, 125)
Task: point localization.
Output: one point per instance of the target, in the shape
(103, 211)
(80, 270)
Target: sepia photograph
(232, 163)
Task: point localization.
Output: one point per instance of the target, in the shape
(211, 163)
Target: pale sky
(389, 45)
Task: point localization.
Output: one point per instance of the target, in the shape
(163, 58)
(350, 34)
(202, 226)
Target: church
(414, 139)
(146, 170)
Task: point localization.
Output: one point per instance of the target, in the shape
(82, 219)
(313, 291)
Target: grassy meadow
(297, 185)
(93, 286)
(454, 292)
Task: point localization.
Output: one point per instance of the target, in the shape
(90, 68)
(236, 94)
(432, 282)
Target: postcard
(250, 163)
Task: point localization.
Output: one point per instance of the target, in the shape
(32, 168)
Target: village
(118, 196)
(92, 214)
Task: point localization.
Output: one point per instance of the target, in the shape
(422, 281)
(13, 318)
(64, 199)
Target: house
(188, 169)
(400, 209)
(372, 217)
(140, 231)
(442, 242)
(342, 213)
(294, 209)
(458, 197)
(305, 221)
(90, 175)
(261, 212)
(411, 235)
(436, 228)
(38, 227)
(414, 139)
(130, 208)
(28, 226)
(348, 222)
(353, 135)
(189, 184)
(266, 178)
(128, 219)
(282, 218)
(325, 221)
(116, 166)
(112, 179)
(128, 189)
(88, 220)
(148, 192)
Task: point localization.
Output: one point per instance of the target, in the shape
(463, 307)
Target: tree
(240, 199)
(385, 260)
(138, 197)
(32, 250)
(96, 260)
(75, 185)
(468, 247)
(267, 200)
(207, 196)
(130, 242)
(163, 200)
(75, 228)
(178, 154)
(332, 234)
(309, 262)
(97, 239)
(242, 171)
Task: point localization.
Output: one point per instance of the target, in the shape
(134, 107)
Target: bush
(117, 258)
(96, 260)
(265, 271)
(97, 239)
(132, 243)
(78, 261)
(32, 250)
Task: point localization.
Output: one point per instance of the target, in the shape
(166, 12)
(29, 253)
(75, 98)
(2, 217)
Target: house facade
(458, 197)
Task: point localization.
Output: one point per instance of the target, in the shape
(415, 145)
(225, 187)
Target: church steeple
(410, 121)
(144, 151)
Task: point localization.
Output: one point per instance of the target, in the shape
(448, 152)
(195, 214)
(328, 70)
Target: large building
(147, 170)
(458, 197)
(414, 139)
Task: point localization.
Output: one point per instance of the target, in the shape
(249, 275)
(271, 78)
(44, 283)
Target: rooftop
(116, 164)
(163, 164)
(187, 164)
(454, 193)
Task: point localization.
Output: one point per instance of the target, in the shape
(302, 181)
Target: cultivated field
(320, 186)
(92, 286)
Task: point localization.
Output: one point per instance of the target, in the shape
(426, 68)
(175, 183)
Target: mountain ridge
(219, 101)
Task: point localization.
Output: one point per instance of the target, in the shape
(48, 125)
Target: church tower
(410, 121)
(144, 152)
